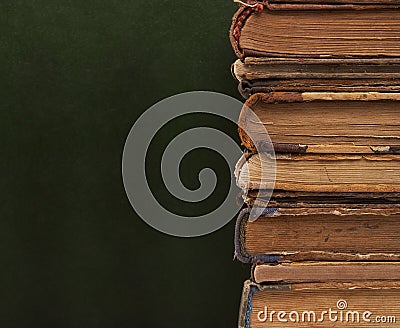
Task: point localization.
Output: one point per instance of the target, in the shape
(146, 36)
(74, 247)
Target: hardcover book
(320, 304)
(322, 122)
(325, 272)
(290, 199)
(264, 75)
(346, 233)
(317, 30)
(293, 4)
(341, 173)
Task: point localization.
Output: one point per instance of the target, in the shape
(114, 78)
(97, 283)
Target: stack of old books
(322, 77)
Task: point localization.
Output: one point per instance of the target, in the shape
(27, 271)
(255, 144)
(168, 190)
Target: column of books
(323, 78)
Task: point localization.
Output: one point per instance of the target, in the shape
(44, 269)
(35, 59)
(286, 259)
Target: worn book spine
(241, 252)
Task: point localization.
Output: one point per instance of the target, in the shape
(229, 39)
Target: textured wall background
(75, 75)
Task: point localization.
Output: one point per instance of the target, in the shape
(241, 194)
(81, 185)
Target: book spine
(241, 253)
(238, 22)
(268, 98)
(245, 309)
(246, 302)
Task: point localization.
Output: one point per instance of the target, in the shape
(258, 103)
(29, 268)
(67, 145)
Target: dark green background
(75, 75)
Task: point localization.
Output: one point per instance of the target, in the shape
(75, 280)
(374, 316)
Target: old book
(325, 304)
(346, 233)
(262, 75)
(317, 4)
(326, 272)
(293, 199)
(320, 173)
(329, 31)
(322, 122)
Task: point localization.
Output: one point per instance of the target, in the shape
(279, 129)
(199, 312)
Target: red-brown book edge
(246, 10)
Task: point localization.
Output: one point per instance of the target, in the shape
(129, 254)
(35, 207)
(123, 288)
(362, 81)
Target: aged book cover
(344, 233)
(264, 75)
(322, 122)
(303, 272)
(290, 199)
(342, 173)
(293, 4)
(337, 30)
(320, 304)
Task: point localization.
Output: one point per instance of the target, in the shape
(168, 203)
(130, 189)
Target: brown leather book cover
(320, 173)
(319, 3)
(317, 30)
(263, 75)
(322, 122)
(344, 233)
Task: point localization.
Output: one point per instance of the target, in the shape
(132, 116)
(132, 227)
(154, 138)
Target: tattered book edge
(240, 238)
(246, 302)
